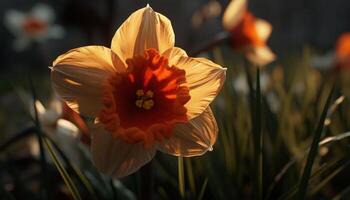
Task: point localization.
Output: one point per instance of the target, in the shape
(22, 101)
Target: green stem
(146, 181)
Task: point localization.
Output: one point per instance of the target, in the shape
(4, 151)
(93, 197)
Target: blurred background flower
(247, 33)
(36, 25)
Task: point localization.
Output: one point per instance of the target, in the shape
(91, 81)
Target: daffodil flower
(35, 25)
(145, 94)
(248, 34)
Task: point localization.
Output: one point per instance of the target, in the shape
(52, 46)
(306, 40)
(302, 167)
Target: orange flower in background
(343, 51)
(248, 33)
(144, 93)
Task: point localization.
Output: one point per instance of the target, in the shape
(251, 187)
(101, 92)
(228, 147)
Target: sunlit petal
(261, 55)
(142, 30)
(263, 29)
(193, 138)
(174, 54)
(78, 76)
(234, 13)
(204, 79)
(115, 157)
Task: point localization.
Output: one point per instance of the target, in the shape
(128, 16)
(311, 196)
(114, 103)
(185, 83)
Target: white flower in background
(33, 26)
(240, 83)
(63, 132)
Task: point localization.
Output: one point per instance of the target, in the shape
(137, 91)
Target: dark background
(296, 24)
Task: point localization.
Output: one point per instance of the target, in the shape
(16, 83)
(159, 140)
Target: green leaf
(66, 178)
(77, 172)
(181, 174)
(313, 150)
(204, 186)
(44, 172)
(258, 140)
(329, 177)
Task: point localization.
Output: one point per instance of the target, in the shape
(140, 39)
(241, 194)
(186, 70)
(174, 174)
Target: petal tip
(210, 148)
(148, 7)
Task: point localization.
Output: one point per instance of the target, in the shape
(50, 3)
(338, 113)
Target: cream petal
(174, 54)
(50, 116)
(43, 12)
(39, 108)
(13, 21)
(66, 130)
(193, 138)
(234, 13)
(55, 32)
(78, 76)
(116, 158)
(261, 55)
(204, 79)
(263, 29)
(45, 117)
(142, 30)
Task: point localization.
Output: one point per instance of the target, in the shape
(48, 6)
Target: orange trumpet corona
(245, 32)
(142, 104)
(34, 26)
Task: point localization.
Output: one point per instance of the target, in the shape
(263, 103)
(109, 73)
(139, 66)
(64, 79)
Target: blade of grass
(302, 189)
(190, 175)
(329, 177)
(253, 106)
(204, 186)
(43, 163)
(258, 139)
(328, 140)
(65, 176)
(343, 194)
(70, 167)
(146, 182)
(114, 191)
(215, 41)
(318, 172)
(181, 174)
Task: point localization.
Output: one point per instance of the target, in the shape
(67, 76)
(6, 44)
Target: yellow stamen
(140, 93)
(148, 104)
(149, 94)
(144, 100)
(139, 103)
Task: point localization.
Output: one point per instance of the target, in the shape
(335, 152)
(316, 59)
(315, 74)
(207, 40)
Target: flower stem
(217, 39)
(146, 182)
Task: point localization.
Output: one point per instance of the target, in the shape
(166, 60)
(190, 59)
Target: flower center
(144, 99)
(143, 104)
(34, 26)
